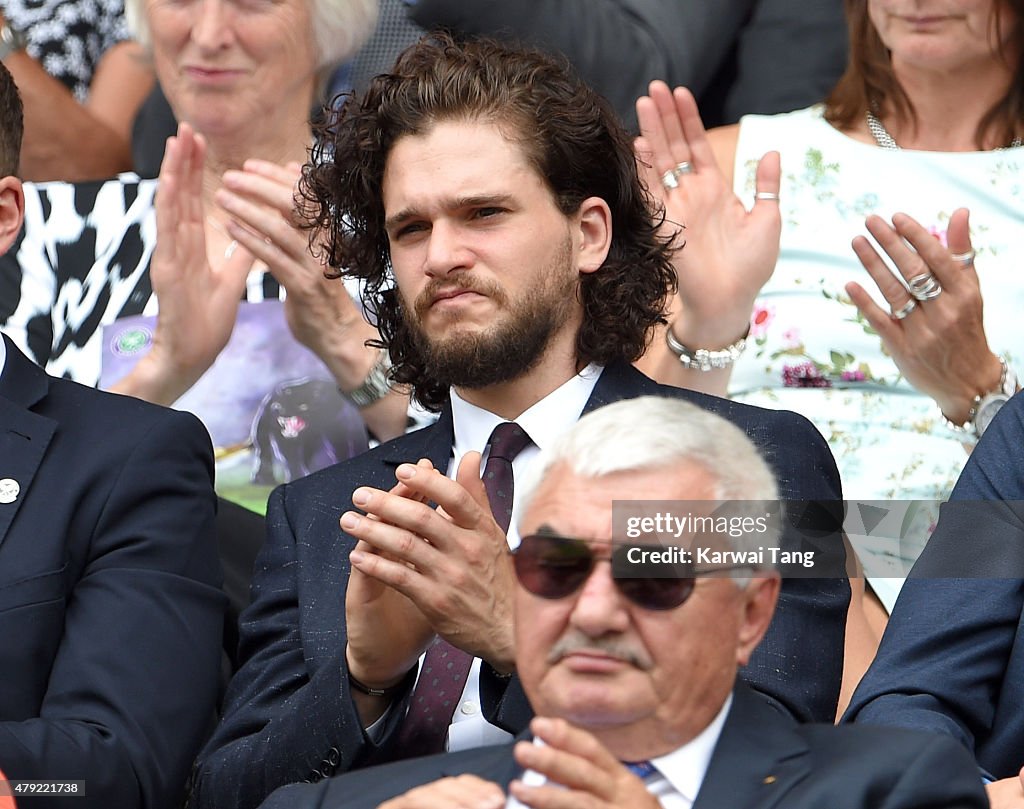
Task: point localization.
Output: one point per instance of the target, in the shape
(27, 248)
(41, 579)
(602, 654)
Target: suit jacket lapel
(758, 759)
(437, 440)
(24, 435)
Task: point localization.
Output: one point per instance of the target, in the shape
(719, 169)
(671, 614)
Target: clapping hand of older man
(451, 563)
(320, 312)
(727, 253)
(580, 773)
(935, 332)
(583, 774)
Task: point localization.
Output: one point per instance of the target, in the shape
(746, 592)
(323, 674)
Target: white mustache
(574, 641)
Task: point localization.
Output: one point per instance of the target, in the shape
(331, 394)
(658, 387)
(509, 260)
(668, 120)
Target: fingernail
(357, 557)
(361, 496)
(406, 471)
(349, 520)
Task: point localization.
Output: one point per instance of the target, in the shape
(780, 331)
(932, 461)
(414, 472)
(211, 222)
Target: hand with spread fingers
(587, 775)
(455, 792)
(934, 330)
(322, 315)
(452, 563)
(726, 252)
(198, 299)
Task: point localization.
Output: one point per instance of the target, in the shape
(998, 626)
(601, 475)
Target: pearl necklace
(885, 140)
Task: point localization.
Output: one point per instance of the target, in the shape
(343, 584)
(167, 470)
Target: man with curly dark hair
(491, 205)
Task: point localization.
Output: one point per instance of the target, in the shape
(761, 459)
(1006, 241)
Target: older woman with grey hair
(216, 227)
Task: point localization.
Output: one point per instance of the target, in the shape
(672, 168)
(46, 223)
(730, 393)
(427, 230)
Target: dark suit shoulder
(890, 767)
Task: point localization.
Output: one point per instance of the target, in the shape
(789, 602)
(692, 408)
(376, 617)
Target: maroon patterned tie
(445, 667)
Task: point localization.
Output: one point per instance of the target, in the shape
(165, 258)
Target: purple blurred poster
(271, 406)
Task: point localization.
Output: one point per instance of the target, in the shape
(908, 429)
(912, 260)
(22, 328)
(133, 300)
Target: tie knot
(507, 441)
(641, 769)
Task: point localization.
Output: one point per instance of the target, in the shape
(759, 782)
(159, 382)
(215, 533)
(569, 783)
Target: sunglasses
(552, 566)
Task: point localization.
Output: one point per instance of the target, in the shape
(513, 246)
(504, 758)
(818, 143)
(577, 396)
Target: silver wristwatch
(11, 40)
(985, 407)
(375, 386)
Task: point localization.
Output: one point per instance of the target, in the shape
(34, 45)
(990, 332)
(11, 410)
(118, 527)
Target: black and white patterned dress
(68, 37)
(80, 262)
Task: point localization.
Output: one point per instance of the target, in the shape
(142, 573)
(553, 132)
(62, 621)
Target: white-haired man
(634, 679)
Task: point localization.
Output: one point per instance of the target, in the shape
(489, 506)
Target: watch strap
(376, 385)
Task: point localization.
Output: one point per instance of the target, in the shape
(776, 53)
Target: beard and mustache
(511, 347)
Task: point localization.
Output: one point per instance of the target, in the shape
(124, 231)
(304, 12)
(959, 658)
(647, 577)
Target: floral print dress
(812, 352)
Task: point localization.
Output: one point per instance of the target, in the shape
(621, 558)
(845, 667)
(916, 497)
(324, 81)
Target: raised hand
(728, 252)
(320, 312)
(198, 300)
(937, 339)
(452, 563)
(572, 758)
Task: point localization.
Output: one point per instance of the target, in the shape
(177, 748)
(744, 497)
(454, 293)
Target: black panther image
(301, 426)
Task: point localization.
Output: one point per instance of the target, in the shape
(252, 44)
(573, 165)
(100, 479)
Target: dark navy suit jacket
(952, 657)
(288, 712)
(110, 609)
(763, 759)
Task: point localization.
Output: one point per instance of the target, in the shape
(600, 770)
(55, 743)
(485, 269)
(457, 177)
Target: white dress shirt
(3, 355)
(543, 422)
(678, 775)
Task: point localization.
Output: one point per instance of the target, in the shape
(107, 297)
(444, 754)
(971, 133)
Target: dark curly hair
(568, 133)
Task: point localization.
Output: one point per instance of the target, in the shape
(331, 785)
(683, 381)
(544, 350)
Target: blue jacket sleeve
(947, 660)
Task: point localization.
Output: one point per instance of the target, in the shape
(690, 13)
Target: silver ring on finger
(967, 259)
(682, 168)
(904, 310)
(924, 286)
(767, 195)
(668, 179)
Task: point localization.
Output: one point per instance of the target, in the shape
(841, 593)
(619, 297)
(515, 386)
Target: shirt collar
(686, 766)
(543, 422)
(3, 354)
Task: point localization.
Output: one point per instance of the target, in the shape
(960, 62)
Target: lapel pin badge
(9, 490)
(769, 779)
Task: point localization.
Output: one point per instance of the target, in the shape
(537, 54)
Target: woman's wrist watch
(376, 386)
(985, 406)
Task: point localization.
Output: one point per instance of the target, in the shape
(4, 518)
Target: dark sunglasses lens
(656, 594)
(552, 567)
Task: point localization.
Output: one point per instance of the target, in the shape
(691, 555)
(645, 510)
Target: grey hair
(652, 433)
(340, 27)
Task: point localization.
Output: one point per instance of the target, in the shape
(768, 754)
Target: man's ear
(593, 234)
(758, 605)
(12, 211)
